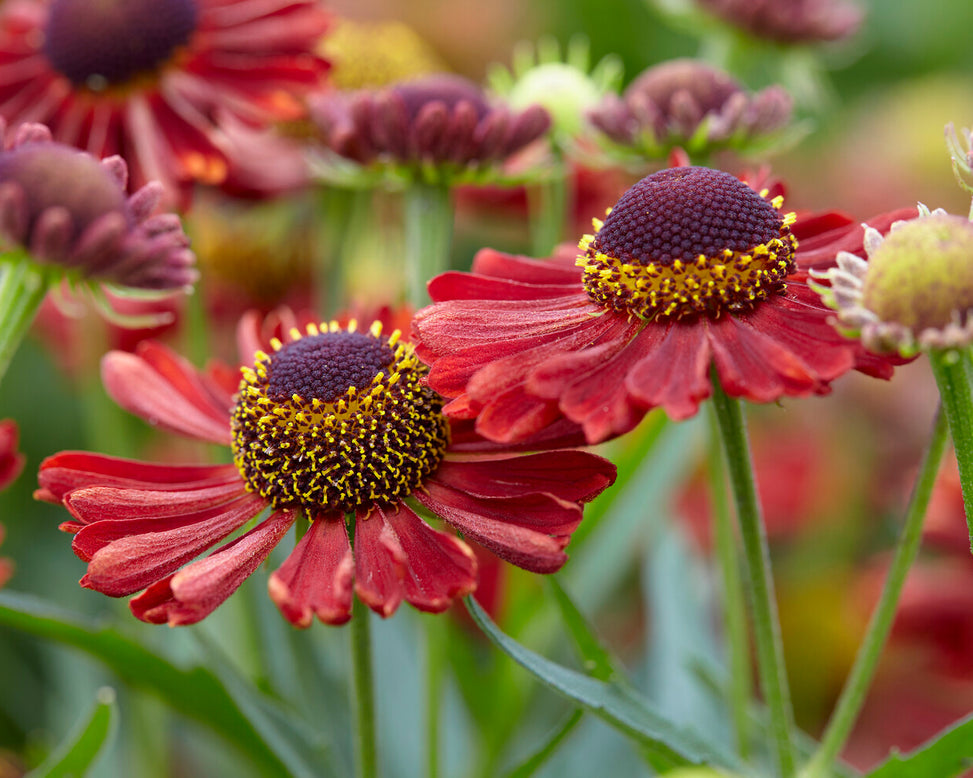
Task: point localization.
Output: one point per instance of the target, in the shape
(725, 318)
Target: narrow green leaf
(536, 760)
(620, 708)
(77, 753)
(195, 692)
(948, 754)
(598, 663)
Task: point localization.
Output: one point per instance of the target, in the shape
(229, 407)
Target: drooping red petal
(99, 503)
(531, 532)
(562, 433)
(167, 391)
(674, 373)
(439, 567)
(69, 470)
(126, 556)
(753, 365)
(380, 563)
(198, 589)
(570, 475)
(316, 578)
(589, 384)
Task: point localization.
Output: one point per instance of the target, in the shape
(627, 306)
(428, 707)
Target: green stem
(23, 285)
(952, 371)
(766, 624)
(548, 204)
(434, 692)
(859, 679)
(734, 599)
(364, 691)
(428, 236)
(346, 215)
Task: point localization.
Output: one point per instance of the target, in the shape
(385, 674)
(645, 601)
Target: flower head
(792, 21)
(67, 209)
(691, 270)
(366, 55)
(330, 422)
(566, 85)
(149, 79)
(916, 290)
(439, 128)
(689, 104)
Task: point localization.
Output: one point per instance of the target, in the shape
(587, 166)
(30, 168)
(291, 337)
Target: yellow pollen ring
(731, 280)
(373, 443)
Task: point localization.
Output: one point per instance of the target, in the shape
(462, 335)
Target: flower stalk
(859, 679)
(952, 371)
(548, 203)
(733, 601)
(770, 653)
(428, 236)
(363, 691)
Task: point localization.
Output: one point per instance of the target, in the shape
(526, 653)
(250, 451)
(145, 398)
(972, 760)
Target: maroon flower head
(103, 44)
(691, 272)
(66, 208)
(439, 120)
(790, 21)
(333, 423)
(688, 240)
(667, 105)
(154, 81)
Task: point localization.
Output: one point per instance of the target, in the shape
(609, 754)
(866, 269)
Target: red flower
(337, 425)
(149, 80)
(691, 270)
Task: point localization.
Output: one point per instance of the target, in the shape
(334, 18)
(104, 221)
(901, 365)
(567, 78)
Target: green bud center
(922, 274)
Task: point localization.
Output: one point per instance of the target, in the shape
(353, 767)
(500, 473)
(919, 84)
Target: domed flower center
(920, 275)
(687, 241)
(443, 88)
(54, 175)
(337, 419)
(102, 43)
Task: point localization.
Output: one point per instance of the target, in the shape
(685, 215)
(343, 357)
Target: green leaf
(948, 754)
(536, 760)
(598, 663)
(77, 753)
(621, 709)
(195, 692)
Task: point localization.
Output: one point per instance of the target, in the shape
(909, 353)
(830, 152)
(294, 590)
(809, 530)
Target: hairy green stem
(766, 624)
(859, 679)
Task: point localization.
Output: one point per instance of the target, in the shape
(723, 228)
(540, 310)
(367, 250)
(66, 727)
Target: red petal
(316, 578)
(454, 285)
(674, 374)
(753, 365)
(590, 386)
(126, 556)
(439, 568)
(195, 591)
(167, 391)
(380, 563)
(99, 503)
(571, 475)
(559, 269)
(69, 470)
(531, 532)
